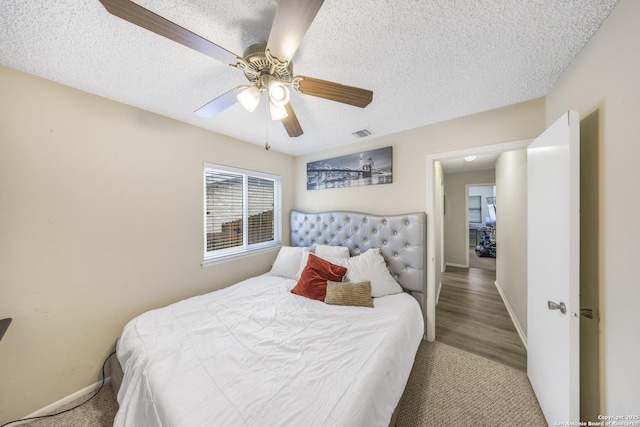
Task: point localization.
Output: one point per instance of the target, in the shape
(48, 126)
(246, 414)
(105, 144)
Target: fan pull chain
(266, 126)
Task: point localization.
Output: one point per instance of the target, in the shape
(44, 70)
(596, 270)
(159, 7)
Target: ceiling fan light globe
(278, 112)
(249, 98)
(278, 93)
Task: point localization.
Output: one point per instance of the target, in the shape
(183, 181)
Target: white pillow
(370, 266)
(332, 251)
(287, 263)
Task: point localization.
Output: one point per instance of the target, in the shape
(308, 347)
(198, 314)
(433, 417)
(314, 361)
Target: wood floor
(471, 316)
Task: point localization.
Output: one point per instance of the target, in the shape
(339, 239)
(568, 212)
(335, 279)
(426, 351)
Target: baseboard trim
(64, 401)
(523, 336)
(453, 264)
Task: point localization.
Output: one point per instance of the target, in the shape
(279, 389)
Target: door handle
(553, 306)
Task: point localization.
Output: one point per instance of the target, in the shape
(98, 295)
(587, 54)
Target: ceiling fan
(267, 66)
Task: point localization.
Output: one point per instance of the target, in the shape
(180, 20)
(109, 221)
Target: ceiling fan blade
(292, 20)
(144, 18)
(334, 91)
(221, 103)
(291, 123)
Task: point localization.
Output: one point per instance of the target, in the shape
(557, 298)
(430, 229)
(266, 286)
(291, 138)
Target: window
(242, 211)
(475, 209)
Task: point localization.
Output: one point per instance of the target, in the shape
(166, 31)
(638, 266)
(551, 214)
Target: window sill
(233, 257)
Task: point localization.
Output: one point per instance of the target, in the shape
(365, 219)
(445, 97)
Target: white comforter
(255, 354)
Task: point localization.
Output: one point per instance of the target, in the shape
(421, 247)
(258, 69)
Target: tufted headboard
(401, 239)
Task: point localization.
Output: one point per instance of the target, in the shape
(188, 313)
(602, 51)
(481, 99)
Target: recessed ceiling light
(469, 158)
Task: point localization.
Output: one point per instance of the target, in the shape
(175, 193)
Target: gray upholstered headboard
(401, 238)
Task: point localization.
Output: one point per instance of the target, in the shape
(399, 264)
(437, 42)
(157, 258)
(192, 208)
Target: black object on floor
(4, 325)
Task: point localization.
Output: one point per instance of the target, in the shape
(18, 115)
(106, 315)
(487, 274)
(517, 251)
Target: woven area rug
(450, 387)
(447, 387)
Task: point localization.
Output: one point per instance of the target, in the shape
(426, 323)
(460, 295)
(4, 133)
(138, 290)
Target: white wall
(604, 79)
(511, 233)
(101, 219)
(456, 243)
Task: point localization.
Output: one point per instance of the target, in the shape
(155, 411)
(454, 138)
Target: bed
(256, 353)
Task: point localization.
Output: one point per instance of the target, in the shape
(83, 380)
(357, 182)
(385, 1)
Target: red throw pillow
(313, 280)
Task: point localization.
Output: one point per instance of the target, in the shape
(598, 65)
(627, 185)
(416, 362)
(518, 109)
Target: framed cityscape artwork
(366, 168)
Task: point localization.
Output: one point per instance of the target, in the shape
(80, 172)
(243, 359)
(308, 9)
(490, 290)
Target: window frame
(246, 249)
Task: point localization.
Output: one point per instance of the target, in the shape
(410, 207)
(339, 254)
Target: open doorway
(471, 311)
(466, 184)
(435, 216)
(481, 229)
(439, 244)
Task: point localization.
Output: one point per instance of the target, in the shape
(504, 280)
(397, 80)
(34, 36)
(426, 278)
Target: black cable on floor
(70, 409)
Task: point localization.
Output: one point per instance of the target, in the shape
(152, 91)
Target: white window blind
(475, 208)
(224, 210)
(261, 208)
(242, 211)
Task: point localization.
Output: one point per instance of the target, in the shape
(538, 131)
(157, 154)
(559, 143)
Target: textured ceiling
(426, 61)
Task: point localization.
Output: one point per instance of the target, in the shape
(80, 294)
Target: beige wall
(89, 240)
(407, 193)
(101, 219)
(511, 232)
(456, 243)
(604, 79)
(589, 266)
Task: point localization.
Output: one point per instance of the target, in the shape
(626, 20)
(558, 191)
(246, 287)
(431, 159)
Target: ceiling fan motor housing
(260, 65)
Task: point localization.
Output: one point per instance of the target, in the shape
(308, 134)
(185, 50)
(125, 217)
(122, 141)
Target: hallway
(471, 315)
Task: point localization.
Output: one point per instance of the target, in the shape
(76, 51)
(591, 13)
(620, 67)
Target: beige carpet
(447, 387)
(98, 412)
(450, 387)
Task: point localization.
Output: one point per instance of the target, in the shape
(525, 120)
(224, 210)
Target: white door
(553, 268)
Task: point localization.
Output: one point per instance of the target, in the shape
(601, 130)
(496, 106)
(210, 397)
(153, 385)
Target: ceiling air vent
(362, 133)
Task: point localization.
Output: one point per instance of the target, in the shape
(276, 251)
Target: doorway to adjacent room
(471, 314)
